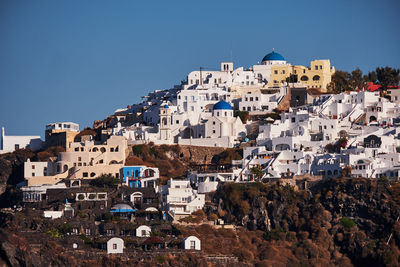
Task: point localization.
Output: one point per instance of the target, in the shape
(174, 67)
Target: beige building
(318, 75)
(86, 160)
(61, 134)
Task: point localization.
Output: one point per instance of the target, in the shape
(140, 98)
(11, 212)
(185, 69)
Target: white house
(179, 199)
(53, 214)
(191, 242)
(143, 231)
(11, 143)
(221, 129)
(115, 246)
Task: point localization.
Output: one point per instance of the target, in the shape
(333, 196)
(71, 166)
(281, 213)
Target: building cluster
(319, 136)
(354, 134)
(200, 111)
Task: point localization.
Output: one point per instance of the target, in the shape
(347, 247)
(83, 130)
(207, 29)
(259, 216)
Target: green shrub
(105, 180)
(347, 223)
(160, 259)
(137, 150)
(54, 232)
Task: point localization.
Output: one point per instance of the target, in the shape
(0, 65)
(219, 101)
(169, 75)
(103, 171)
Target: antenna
(201, 79)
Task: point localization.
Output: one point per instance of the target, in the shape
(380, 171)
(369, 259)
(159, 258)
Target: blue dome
(222, 105)
(273, 56)
(166, 106)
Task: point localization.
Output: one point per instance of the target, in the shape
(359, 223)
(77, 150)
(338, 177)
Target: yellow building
(318, 75)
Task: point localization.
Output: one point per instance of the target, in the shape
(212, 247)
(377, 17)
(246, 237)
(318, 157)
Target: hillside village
(110, 189)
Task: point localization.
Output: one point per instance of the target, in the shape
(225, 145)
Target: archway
(372, 118)
(149, 173)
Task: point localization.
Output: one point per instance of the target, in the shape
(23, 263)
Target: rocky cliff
(335, 222)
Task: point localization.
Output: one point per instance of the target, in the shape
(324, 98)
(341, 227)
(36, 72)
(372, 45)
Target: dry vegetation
(337, 222)
(166, 158)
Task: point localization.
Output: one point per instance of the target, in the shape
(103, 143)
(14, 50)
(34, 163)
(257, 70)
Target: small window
(114, 246)
(275, 72)
(33, 174)
(213, 131)
(33, 167)
(16, 146)
(85, 174)
(79, 158)
(213, 122)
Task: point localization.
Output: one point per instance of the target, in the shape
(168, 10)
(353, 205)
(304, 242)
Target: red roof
(374, 87)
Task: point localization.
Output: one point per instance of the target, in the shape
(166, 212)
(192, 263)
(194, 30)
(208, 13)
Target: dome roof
(222, 105)
(273, 56)
(122, 208)
(165, 106)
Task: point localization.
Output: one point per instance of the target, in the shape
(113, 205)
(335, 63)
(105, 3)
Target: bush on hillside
(105, 180)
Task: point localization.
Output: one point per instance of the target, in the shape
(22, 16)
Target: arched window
(149, 173)
(316, 78)
(103, 149)
(304, 78)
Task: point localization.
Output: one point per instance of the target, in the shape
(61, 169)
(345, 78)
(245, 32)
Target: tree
(387, 76)
(257, 172)
(242, 114)
(105, 180)
(372, 77)
(340, 81)
(356, 79)
(346, 171)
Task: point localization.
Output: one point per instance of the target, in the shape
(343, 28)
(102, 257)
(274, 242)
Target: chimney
(2, 138)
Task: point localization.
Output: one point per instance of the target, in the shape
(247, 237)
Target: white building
(11, 143)
(68, 126)
(36, 193)
(179, 199)
(192, 243)
(143, 231)
(221, 129)
(115, 246)
(259, 102)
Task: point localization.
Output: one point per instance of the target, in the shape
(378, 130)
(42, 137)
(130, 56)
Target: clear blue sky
(80, 60)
